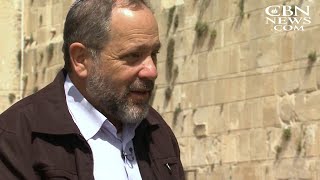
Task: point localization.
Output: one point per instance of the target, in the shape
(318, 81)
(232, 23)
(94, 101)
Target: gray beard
(116, 103)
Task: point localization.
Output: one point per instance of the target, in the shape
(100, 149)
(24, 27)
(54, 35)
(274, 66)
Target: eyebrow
(156, 46)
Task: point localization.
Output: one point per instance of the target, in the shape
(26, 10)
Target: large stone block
(293, 169)
(307, 106)
(314, 11)
(66, 7)
(222, 9)
(246, 62)
(270, 113)
(251, 116)
(309, 141)
(236, 30)
(204, 173)
(219, 172)
(235, 115)
(228, 90)
(181, 122)
(30, 58)
(206, 93)
(258, 144)
(58, 16)
(161, 79)
(287, 112)
(247, 172)
(184, 43)
(188, 98)
(58, 60)
(217, 119)
(184, 145)
(261, 53)
(255, 83)
(202, 65)
(244, 152)
(42, 35)
(230, 148)
(234, 59)
(220, 87)
(186, 69)
(287, 47)
(160, 102)
(32, 19)
(207, 10)
(308, 79)
(224, 61)
(190, 8)
(205, 151)
(190, 175)
(204, 117)
(252, 5)
(317, 69)
(287, 82)
(42, 16)
(306, 42)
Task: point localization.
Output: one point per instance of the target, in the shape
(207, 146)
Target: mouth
(140, 95)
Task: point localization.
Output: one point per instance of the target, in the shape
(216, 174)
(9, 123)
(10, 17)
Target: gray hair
(88, 22)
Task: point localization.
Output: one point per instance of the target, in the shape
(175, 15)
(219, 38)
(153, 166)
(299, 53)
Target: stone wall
(241, 98)
(10, 52)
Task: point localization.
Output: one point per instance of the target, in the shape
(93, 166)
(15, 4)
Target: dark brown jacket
(39, 140)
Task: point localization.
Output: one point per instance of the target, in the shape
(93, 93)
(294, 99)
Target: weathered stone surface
(211, 145)
(202, 66)
(246, 172)
(236, 30)
(292, 169)
(287, 82)
(305, 43)
(185, 150)
(233, 97)
(235, 115)
(270, 113)
(10, 35)
(223, 62)
(287, 112)
(258, 144)
(230, 148)
(307, 106)
(183, 69)
(259, 85)
(217, 118)
(244, 152)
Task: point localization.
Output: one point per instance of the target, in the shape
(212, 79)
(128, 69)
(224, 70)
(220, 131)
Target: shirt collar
(87, 118)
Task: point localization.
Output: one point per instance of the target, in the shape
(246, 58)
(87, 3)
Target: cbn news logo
(288, 18)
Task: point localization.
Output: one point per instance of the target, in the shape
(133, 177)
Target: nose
(148, 70)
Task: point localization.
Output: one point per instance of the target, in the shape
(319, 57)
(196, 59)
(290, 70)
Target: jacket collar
(51, 114)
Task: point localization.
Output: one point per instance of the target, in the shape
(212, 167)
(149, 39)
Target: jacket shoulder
(16, 115)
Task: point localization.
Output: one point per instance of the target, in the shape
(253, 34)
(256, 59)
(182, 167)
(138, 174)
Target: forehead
(138, 20)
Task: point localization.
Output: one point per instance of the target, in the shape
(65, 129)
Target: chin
(135, 113)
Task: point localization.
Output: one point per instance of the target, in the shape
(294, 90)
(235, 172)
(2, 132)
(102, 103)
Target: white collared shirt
(113, 154)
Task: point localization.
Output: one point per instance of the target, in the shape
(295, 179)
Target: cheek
(125, 77)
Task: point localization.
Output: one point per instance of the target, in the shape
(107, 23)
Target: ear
(79, 58)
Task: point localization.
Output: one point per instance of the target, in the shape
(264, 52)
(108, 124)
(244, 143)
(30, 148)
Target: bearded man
(94, 121)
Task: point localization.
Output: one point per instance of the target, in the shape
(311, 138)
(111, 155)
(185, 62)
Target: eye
(154, 55)
(133, 55)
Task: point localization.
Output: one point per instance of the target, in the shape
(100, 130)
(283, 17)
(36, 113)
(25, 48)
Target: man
(94, 121)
